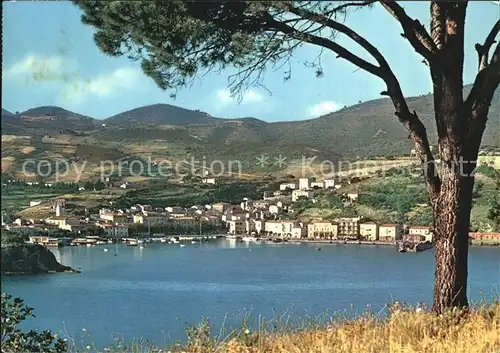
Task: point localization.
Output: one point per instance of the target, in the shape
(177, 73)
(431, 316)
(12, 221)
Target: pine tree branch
(483, 88)
(352, 4)
(414, 31)
(339, 27)
(484, 49)
(328, 44)
(409, 119)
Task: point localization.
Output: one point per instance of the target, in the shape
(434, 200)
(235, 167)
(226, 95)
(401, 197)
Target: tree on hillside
(176, 40)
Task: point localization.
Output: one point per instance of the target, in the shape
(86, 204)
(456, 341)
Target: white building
(298, 193)
(304, 183)
(237, 227)
(273, 209)
(281, 228)
(115, 231)
(175, 209)
(299, 232)
(151, 218)
(353, 196)
(259, 226)
(285, 186)
(421, 230)
(329, 183)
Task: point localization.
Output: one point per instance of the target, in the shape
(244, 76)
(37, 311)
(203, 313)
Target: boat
(88, 244)
(105, 250)
(234, 237)
(193, 242)
(140, 241)
(249, 239)
(422, 246)
(182, 245)
(401, 247)
(163, 240)
(141, 247)
(131, 243)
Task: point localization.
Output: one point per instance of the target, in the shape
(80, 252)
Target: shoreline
(211, 238)
(345, 242)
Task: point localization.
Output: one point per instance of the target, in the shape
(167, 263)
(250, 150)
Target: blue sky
(50, 59)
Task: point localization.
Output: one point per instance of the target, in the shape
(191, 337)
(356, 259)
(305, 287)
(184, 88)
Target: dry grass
(7, 163)
(405, 331)
(28, 149)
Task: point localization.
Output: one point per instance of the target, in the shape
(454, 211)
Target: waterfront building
(249, 226)
(299, 232)
(322, 230)
(151, 218)
(115, 230)
(421, 230)
(237, 227)
(390, 232)
(368, 230)
(280, 228)
(186, 221)
(348, 226)
(259, 226)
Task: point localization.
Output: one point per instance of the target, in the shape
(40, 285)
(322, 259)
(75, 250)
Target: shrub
(13, 340)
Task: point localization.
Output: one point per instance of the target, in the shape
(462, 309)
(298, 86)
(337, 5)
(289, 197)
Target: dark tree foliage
(176, 41)
(14, 340)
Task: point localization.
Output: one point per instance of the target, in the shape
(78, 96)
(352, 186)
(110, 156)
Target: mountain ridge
(160, 131)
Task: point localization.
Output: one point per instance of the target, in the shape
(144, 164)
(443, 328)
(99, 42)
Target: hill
(371, 128)
(7, 114)
(163, 131)
(161, 114)
(46, 120)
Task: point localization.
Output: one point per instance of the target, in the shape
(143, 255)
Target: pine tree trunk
(458, 150)
(452, 217)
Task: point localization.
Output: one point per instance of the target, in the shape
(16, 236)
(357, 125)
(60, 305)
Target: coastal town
(267, 219)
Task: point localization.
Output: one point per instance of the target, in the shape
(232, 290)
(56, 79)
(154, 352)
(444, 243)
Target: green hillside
(162, 131)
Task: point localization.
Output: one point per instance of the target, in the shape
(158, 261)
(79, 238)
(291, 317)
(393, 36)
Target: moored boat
(249, 239)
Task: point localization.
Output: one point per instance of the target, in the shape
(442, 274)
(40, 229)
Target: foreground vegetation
(404, 329)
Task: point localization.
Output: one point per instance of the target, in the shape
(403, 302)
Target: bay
(155, 292)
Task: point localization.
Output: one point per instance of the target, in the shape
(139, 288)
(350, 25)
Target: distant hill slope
(371, 128)
(6, 113)
(161, 114)
(45, 121)
(164, 131)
